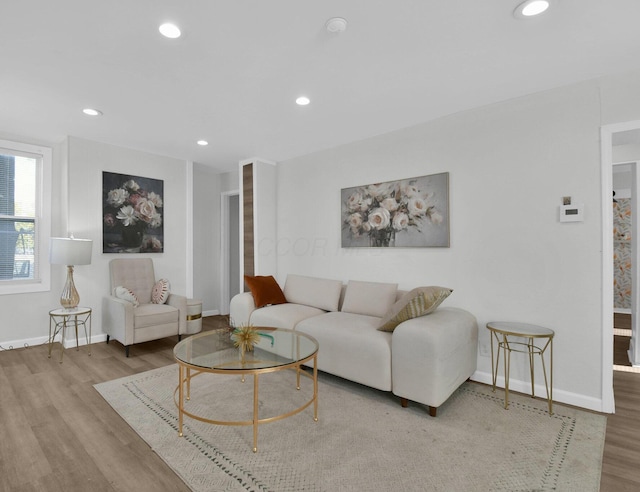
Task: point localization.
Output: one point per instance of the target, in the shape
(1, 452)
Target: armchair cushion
(154, 314)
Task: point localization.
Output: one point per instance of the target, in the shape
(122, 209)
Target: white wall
(206, 237)
(510, 258)
(86, 162)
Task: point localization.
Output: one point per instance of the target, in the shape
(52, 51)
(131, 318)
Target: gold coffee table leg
(315, 389)
(255, 413)
(180, 397)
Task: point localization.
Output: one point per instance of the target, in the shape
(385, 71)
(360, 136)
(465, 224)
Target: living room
(510, 163)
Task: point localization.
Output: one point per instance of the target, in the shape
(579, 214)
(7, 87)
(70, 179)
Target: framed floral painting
(132, 213)
(406, 213)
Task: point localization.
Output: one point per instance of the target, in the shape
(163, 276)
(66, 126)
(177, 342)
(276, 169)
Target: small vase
(132, 236)
(384, 238)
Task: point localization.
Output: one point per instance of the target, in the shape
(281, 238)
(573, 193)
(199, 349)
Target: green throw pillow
(418, 302)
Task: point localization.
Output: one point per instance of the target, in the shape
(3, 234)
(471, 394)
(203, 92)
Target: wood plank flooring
(58, 434)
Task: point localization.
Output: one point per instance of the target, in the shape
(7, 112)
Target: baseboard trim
(560, 396)
(213, 312)
(68, 343)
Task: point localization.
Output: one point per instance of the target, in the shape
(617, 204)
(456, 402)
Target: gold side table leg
(64, 331)
(507, 369)
(551, 377)
(548, 387)
(51, 337)
(87, 337)
(180, 397)
(531, 348)
(255, 413)
(76, 325)
(494, 369)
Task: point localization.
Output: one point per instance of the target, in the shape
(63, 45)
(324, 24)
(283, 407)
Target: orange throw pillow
(265, 290)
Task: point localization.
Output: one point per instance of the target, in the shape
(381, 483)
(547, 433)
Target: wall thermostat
(572, 213)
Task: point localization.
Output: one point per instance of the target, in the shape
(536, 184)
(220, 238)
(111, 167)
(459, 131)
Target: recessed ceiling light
(336, 25)
(202, 142)
(303, 101)
(92, 112)
(169, 30)
(531, 8)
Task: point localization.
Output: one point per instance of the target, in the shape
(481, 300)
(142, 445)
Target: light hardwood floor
(621, 460)
(58, 434)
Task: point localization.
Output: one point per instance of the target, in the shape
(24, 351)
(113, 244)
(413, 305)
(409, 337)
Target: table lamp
(70, 251)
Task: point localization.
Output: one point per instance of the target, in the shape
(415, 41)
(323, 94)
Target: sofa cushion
(321, 293)
(265, 290)
(369, 298)
(283, 315)
(351, 347)
(415, 303)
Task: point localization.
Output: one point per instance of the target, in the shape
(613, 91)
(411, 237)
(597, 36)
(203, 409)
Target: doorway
(617, 142)
(230, 248)
(625, 257)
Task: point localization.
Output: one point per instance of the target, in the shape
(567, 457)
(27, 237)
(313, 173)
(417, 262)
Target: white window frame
(42, 270)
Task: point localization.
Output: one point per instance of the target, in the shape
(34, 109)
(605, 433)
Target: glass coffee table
(213, 352)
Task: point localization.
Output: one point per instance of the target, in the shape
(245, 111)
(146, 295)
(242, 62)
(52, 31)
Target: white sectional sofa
(424, 359)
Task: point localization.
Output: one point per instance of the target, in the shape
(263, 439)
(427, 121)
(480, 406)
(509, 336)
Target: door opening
(230, 248)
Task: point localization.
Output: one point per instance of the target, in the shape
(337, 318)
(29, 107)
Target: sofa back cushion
(316, 292)
(369, 298)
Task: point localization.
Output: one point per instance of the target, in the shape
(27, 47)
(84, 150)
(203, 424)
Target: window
(25, 203)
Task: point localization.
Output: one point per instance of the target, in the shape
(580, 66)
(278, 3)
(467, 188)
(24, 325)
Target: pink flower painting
(132, 214)
(406, 213)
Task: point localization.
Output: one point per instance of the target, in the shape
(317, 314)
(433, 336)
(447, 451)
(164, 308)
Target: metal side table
(60, 318)
(501, 332)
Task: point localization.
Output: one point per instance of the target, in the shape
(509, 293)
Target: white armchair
(128, 324)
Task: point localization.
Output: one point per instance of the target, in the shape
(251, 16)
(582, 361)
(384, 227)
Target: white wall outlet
(485, 351)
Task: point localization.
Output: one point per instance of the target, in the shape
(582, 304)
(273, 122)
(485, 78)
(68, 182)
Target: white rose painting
(132, 214)
(406, 213)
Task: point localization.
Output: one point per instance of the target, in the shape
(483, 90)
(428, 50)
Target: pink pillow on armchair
(160, 292)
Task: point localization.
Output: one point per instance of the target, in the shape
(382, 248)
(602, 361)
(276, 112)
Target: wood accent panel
(247, 215)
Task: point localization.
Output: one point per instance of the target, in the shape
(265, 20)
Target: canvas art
(406, 213)
(132, 214)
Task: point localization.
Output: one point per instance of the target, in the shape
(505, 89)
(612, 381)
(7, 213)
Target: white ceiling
(233, 76)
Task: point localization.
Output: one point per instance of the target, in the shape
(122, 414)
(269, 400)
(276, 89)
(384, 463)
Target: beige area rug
(363, 441)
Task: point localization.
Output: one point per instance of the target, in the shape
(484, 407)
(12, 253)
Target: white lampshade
(70, 251)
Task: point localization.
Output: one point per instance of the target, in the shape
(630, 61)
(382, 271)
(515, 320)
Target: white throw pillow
(369, 298)
(160, 292)
(321, 293)
(123, 293)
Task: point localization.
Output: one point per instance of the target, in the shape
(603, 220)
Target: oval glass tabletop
(215, 350)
